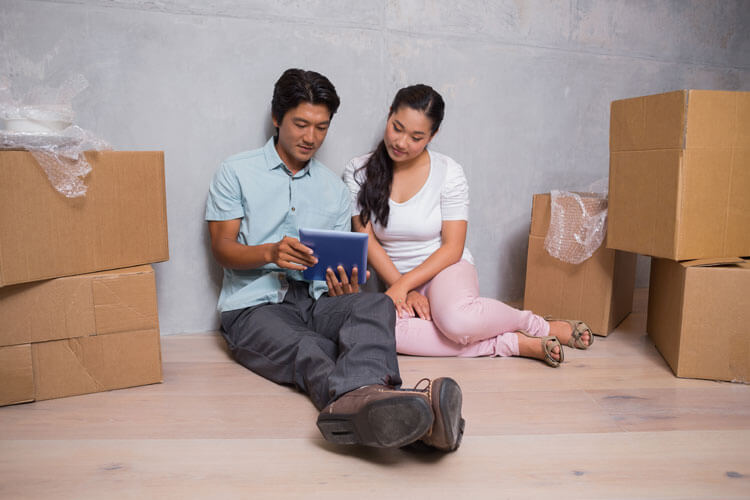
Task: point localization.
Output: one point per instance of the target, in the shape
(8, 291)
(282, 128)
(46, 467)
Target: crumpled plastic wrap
(578, 223)
(41, 122)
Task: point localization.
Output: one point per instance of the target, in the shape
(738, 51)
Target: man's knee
(379, 304)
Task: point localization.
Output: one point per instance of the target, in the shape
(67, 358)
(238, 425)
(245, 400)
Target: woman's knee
(467, 321)
(459, 324)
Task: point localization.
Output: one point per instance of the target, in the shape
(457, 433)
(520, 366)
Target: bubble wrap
(578, 225)
(59, 153)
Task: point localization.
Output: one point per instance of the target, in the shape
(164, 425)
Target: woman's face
(407, 133)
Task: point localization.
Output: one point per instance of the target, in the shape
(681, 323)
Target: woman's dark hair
(375, 189)
(296, 86)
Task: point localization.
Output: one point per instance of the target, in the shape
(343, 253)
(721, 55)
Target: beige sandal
(548, 343)
(579, 328)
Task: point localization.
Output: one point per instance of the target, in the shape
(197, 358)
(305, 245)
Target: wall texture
(527, 84)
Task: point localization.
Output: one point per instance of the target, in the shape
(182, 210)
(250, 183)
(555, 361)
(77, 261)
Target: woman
(413, 203)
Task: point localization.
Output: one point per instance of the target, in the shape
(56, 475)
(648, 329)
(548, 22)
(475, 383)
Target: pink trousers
(464, 324)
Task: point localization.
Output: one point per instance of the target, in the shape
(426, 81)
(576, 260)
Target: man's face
(301, 132)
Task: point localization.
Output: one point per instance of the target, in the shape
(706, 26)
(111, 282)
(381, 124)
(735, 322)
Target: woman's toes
(555, 352)
(587, 337)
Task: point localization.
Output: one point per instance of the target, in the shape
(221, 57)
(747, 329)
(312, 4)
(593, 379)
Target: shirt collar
(273, 160)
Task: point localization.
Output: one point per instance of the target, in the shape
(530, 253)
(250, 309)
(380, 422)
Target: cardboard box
(79, 334)
(598, 291)
(17, 374)
(679, 182)
(120, 222)
(698, 317)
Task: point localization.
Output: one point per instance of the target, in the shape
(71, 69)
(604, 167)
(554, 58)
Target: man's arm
(287, 253)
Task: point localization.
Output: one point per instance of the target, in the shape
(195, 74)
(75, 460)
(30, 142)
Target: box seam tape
(681, 326)
(681, 183)
(79, 358)
(728, 204)
(684, 123)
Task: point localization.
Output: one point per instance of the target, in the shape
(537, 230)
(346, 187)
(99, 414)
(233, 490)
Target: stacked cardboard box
(120, 222)
(66, 329)
(680, 192)
(598, 291)
(79, 334)
(698, 317)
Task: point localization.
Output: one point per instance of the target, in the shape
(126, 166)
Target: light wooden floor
(613, 422)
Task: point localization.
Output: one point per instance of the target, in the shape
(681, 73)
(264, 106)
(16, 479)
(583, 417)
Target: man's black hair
(296, 86)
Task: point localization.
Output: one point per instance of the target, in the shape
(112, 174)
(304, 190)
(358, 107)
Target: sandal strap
(549, 343)
(547, 349)
(578, 329)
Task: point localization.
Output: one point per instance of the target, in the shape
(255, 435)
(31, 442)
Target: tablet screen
(333, 249)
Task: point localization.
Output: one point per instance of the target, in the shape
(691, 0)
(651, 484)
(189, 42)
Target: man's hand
(343, 285)
(289, 253)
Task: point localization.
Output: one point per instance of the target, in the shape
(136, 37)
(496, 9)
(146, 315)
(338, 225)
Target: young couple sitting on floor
(338, 345)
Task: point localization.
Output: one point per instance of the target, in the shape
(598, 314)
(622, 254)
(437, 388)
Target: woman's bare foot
(564, 330)
(532, 347)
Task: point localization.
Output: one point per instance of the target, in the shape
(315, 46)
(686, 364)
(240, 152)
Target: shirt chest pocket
(316, 217)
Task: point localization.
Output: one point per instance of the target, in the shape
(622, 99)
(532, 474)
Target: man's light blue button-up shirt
(258, 188)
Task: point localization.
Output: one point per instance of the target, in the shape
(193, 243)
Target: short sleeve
(344, 219)
(224, 196)
(454, 195)
(353, 177)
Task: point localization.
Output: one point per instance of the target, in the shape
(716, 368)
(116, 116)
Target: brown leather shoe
(377, 415)
(448, 428)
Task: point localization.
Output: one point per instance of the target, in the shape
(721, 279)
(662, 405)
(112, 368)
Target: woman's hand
(418, 304)
(398, 296)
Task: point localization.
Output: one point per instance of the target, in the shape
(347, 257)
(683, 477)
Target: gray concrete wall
(527, 84)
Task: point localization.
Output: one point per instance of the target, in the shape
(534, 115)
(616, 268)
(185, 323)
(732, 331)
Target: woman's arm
(453, 236)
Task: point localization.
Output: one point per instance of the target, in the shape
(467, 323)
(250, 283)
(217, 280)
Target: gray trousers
(325, 347)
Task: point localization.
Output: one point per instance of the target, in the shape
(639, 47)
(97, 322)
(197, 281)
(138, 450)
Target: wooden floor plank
(612, 422)
(608, 465)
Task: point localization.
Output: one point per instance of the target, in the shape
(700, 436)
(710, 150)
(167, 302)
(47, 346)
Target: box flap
(78, 306)
(16, 374)
(717, 119)
(648, 122)
(125, 302)
(720, 261)
(664, 321)
(623, 286)
(644, 193)
(715, 206)
(46, 310)
(541, 210)
(97, 363)
(540, 214)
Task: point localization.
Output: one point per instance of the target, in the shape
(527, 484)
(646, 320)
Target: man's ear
(274, 121)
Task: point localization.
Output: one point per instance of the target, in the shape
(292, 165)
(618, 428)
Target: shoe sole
(451, 399)
(388, 423)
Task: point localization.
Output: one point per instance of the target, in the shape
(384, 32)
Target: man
(338, 347)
